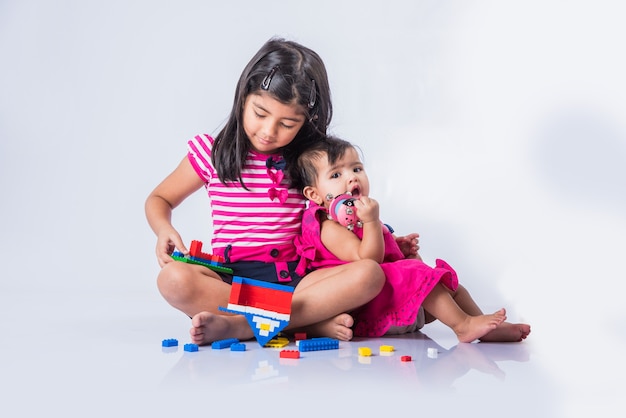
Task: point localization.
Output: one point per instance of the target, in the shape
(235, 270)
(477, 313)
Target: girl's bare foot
(475, 327)
(338, 327)
(507, 332)
(207, 328)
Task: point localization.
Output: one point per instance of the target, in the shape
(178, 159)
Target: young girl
(282, 104)
(332, 168)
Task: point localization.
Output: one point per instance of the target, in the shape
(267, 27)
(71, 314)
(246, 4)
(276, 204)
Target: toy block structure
(266, 306)
(196, 256)
(318, 344)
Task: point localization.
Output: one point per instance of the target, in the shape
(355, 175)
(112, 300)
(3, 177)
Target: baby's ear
(311, 194)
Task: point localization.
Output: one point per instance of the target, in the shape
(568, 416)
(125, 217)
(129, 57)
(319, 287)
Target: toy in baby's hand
(342, 210)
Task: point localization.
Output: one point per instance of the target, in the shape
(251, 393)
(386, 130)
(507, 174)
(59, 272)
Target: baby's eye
(334, 176)
(358, 169)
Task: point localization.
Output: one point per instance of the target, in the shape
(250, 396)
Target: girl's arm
(172, 191)
(346, 246)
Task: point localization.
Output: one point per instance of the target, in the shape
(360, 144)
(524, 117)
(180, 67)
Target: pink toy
(342, 210)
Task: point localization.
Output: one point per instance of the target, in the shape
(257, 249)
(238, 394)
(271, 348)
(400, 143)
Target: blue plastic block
(317, 344)
(191, 347)
(218, 345)
(170, 342)
(238, 347)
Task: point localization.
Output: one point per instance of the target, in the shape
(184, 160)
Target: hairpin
(312, 95)
(265, 85)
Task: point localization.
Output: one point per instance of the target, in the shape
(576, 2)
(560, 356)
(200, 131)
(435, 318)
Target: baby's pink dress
(408, 282)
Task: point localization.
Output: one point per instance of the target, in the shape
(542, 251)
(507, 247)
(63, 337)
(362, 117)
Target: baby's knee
(370, 275)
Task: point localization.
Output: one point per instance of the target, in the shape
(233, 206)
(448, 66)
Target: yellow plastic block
(365, 351)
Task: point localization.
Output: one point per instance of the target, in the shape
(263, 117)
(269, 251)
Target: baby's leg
(208, 327)
(505, 332)
(440, 304)
(324, 295)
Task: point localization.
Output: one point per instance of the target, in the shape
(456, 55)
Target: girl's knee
(174, 281)
(370, 275)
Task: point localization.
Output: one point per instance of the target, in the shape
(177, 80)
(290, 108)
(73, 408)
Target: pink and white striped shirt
(254, 222)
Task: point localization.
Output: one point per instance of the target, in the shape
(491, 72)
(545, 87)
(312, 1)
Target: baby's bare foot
(507, 332)
(475, 327)
(338, 327)
(207, 328)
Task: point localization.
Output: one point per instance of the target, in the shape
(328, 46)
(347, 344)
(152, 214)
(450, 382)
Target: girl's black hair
(303, 173)
(290, 73)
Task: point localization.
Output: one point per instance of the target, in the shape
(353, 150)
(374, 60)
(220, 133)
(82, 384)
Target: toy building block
(218, 345)
(266, 306)
(432, 352)
(317, 344)
(300, 336)
(289, 354)
(191, 347)
(170, 342)
(277, 342)
(387, 348)
(405, 358)
(238, 347)
(365, 351)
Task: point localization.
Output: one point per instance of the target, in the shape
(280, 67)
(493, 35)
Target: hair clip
(312, 95)
(265, 84)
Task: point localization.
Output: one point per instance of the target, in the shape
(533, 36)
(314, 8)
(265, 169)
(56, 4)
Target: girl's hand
(367, 209)
(167, 242)
(409, 245)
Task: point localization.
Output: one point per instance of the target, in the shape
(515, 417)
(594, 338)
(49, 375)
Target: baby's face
(347, 175)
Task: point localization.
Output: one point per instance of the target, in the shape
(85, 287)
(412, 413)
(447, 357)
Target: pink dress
(408, 282)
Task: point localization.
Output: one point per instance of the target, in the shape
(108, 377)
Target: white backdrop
(495, 129)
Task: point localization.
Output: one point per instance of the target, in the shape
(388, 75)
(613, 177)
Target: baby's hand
(367, 209)
(409, 245)
(167, 242)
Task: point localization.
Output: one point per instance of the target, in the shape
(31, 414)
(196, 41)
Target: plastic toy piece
(300, 336)
(406, 358)
(318, 344)
(387, 348)
(191, 347)
(170, 342)
(365, 351)
(266, 306)
(218, 345)
(432, 352)
(289, 354)
(178, 256)
(277, 342)
(238, 347)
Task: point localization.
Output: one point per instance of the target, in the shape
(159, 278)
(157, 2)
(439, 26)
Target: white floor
(93, 355)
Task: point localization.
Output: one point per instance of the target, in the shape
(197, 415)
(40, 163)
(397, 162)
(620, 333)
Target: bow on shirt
(281, 194)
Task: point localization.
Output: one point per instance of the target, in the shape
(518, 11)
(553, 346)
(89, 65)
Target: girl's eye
(287, 126)
(258, 115)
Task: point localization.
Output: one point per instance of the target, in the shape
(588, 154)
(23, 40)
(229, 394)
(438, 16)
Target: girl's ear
(311, 194)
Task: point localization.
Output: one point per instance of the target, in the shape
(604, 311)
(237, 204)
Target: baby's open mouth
(356, 192)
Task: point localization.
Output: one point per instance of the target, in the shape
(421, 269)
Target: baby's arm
(172, 191)
(346, 246)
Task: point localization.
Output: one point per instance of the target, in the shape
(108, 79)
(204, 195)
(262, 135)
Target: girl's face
(346, 175)
(270, 124)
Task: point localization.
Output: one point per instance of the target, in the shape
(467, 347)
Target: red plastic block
(406, 358)
(289, 354)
